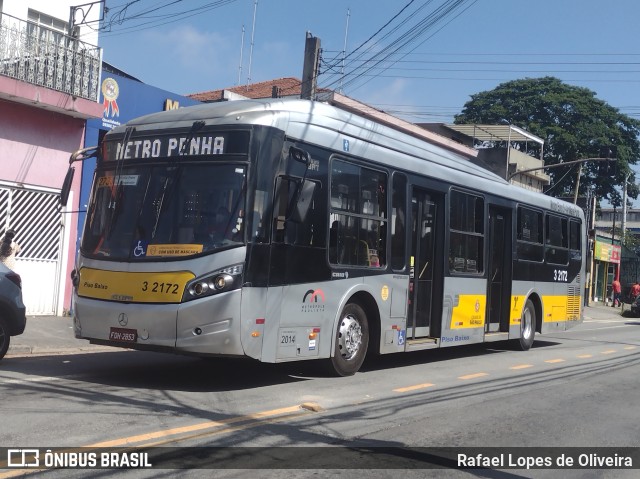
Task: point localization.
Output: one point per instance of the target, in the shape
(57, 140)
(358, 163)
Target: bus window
(557, 241)
(311, 231)
(575, 236)
(466, 240)
(357, 235)
(529, 235)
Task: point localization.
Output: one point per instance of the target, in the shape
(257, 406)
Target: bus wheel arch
(357, 324)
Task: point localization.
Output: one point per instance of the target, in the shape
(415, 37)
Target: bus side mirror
(66, 186)
(303, 200)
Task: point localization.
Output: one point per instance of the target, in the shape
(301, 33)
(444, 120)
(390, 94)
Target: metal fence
(35, 217)
(41, 56)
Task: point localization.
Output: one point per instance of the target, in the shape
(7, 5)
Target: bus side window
(358, 216)
(574, 236)
(529, 235)
(311, 231)
(466, 233)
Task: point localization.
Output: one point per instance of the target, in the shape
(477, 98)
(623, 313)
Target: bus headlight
(220, 281)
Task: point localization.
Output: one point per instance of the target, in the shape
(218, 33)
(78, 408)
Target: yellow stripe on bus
(148, 287)
(555, 308)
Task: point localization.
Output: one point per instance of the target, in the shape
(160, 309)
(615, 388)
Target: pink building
(48, 89)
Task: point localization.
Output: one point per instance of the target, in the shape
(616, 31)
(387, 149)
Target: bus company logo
(313, 301)
(477, 306)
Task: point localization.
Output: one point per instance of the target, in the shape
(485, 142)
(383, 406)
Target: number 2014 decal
(560, 275)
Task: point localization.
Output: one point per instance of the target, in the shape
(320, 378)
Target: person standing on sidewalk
(9, 249)
(635, 291)
(617, 289)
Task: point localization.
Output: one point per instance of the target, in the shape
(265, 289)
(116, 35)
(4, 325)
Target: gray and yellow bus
(288, 230)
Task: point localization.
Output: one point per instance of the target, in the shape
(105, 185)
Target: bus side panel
(307, 316)
(253, 313)
(464, 311)
(272, 316)
(520, 291)
(391, 293)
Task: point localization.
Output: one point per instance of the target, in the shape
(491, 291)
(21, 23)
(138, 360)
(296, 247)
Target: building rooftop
(284, 87)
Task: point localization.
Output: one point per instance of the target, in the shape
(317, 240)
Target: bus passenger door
(425, 277)
(499, 281)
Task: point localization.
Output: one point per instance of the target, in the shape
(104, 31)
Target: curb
(25, 351)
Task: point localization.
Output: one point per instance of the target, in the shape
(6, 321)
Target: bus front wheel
(352, 340)
(527, 326)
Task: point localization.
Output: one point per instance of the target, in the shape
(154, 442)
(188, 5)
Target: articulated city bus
(287, 230)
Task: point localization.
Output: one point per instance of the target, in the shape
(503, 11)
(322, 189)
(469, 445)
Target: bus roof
(340, 130)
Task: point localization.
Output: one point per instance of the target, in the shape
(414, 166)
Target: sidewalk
(598, 310)
(46, 335)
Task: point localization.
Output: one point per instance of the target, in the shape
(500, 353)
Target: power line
(150, 18)
(399, 45)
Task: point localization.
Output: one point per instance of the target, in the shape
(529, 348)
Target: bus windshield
(165, 210)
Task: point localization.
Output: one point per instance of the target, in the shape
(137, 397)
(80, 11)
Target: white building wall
(60, 9)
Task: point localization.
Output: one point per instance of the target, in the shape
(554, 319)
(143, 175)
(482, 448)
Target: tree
(574, 124)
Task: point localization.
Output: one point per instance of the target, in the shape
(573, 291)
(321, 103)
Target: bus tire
(352, 340)
(5, 337)
(527, 326)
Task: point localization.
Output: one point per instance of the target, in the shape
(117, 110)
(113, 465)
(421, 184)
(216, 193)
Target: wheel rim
(350, 337)
(526, 323)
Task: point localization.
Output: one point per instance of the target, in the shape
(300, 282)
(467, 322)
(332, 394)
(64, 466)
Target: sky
(438, 61)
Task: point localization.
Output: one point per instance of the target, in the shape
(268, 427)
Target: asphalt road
(576, 389)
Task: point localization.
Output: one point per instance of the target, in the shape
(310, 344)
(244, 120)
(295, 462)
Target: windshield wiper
(197, 125)
(169, 187)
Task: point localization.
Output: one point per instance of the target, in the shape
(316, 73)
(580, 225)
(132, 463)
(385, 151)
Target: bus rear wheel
(352, 340)
(527, 326)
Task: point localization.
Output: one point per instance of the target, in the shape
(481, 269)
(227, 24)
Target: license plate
(123, 335)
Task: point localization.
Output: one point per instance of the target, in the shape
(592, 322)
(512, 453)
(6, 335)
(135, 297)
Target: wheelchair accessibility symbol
(401, 338)
(139, 250)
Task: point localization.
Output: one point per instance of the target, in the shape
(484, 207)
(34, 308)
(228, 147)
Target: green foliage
(574, 124)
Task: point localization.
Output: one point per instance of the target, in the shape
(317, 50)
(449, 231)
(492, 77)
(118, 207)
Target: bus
(286, 229)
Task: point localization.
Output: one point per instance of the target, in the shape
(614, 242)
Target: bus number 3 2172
(560, 275)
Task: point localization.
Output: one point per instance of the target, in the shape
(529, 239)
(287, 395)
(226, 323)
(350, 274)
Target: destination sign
(179, 145)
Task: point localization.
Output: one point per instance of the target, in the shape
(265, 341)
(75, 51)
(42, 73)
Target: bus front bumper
(208, 326)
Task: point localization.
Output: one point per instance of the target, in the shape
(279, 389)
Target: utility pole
(310, 67)
(344, 50)
(624, 207)
(241, 50)
(575, 194)
(253, 33)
